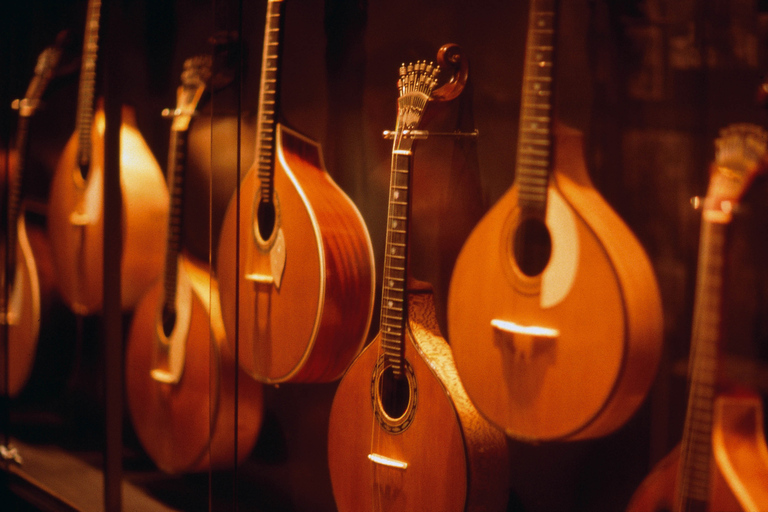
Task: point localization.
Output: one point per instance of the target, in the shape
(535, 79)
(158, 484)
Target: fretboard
(534, 146)
(176, 171)
(269, 92)
(694, 470)
(85, 103)
(393, 295)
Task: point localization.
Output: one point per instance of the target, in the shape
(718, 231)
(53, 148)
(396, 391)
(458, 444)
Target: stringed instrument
(722, 462)
(20, 302)
(75, 223)
(297, 296)
(554, 313)
(180, 375)
(403, 434)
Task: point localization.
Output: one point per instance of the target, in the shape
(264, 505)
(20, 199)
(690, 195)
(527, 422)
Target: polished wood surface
(190, 425)
(722, 461)
(22, 315)
(75, 224)
(294, 261)
(312, 325)
(739, 464)
(591, 377)
(403, 434)
(456, 460)
(20, 293)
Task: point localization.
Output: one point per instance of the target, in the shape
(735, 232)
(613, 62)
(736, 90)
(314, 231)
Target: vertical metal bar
(113, 343)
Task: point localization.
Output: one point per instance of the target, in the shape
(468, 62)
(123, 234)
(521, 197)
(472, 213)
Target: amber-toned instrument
(554, 314)
(722, 462)
(75, 223)
(20, 303)
(403, 434)
(295, 261)
(180, 374)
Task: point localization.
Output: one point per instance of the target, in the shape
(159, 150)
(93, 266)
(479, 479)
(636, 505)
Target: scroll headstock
(740, 155)
(194, 78)
(451, 57)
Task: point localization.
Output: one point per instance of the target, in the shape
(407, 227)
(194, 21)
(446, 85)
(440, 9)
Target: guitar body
(456, 460)
(597, 301)
(76, 219)
(22, 316)
(308, 326)
(189, 425)
(740, 464)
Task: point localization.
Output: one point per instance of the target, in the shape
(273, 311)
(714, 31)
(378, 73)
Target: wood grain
(592, 378)
(78, 249)
(456, 460)
(310, 327)
(189, 426)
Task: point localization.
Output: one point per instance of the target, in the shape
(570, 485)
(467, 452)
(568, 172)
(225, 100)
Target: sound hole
(83, 168)
(169, 321)
(394, 399)
(265, 219)
(395, 393)
(532, 246)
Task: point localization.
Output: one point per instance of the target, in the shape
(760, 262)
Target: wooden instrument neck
(85, 100)
(394, 305)
(176, 174)
(694, 470)
(269, 95)
(535, 140)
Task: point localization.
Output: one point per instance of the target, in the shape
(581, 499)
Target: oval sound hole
(265, 219)
(169, 321)
(532, 246)
(394, 393)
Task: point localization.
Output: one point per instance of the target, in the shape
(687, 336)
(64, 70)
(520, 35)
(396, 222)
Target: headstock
(740, 155)
(416, 83)
(196, 74)
(46, 65)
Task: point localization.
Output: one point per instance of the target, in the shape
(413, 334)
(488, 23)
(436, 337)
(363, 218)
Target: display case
(208, 114)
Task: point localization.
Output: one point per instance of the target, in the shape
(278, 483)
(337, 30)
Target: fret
(539, 142)
(534, 158)
(533, 162)
(541, 119)
(527, 150)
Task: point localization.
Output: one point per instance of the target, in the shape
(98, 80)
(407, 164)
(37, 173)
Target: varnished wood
(22, 316)
(739, 463)
(403, 434)
(21, 303)
(722, 461)
(310, 327)
(189, 426)
(78, 249)
(593, 377)
(456, 460)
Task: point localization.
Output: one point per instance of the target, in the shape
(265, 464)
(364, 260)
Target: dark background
(650, 83)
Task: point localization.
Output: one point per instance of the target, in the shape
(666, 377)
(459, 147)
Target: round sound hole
(393, 397)
(532, 246)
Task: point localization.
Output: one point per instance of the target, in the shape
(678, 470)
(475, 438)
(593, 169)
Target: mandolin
(20, 302)
(403, 434)
(180, 375)
(295, 261)
(722, 462)
(75, 224)
(554, 313)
